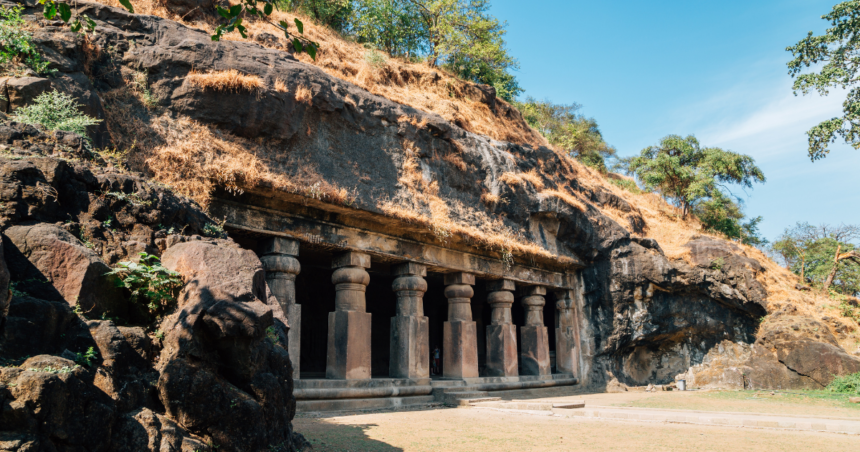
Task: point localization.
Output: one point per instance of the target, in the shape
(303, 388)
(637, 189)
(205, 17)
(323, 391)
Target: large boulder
(20, 91)
(218, 363)
(48, 402)
(146, 431)
(35, 327)
(52, 264)
(5, 289)
(216, 270)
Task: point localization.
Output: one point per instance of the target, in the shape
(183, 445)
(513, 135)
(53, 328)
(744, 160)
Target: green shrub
(86, 359)
(375, 59)
(55, 111)
(150, 283)
(16, 44)
(626, 184)
(846, 384)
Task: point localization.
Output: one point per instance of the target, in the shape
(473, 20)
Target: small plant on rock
(16, 43)
(215, 230)
(149, 282)
(87, 358)
(272, 335)
(54, 110)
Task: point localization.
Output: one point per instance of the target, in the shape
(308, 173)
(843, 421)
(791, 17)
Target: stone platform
(375, 393)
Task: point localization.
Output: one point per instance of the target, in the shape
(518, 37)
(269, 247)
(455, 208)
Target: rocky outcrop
(791, 351)
(52, 264)
(107, 385)
(220, 360)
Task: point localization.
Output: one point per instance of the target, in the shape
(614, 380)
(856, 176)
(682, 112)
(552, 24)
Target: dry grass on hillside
(230, 80)
(414, 84)
(194, 159)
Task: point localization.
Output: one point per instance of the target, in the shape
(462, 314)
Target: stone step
(304, 406)
(455, 398)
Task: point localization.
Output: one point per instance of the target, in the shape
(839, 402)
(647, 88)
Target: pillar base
(410, 347)
(534, 350)
(460, 350)
(294, 336)
(502, 350)
(565, 350)
(348, 355)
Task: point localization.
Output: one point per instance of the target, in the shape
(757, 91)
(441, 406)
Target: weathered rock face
(218, 363)
(52, 264)
(221, 359)
(791, 351)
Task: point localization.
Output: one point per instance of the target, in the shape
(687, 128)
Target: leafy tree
(335, 14)
(834, 55)
(719, 213)
(390, 25)
(686, 172)
(825, 255)
(565, 128)
(464, 38)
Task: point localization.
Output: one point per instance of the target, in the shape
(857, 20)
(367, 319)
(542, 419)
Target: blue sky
(713, 69)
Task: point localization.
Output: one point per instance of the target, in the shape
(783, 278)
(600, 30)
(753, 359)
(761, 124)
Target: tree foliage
(835, 56)
(565, 128)
(459, 35)
(687, 173)
(825, 256)
(719, 213)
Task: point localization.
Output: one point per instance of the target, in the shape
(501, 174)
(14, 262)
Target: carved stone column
(279, 258)
(348, 355)
(534, 337)
(460, 333)
(501, 333)
(410, 331)
(565, 335)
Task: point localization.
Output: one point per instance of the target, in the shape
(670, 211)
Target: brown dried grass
(304, 95)
(280, 86)
(414, 84)
(229, 80)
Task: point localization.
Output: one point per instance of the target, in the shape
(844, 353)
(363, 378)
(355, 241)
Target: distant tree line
(458, 35)
(824, 256)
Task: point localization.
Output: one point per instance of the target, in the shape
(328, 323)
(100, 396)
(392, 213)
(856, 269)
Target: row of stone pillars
(348, 351)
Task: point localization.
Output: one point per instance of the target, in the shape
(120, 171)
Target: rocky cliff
(249, 123)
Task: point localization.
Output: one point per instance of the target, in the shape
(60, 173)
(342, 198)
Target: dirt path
(478, 430)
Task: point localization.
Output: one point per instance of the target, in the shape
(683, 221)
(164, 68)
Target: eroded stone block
(460, 350)
(502, 350)
(534, 350)
(348, 354)
(410, 349)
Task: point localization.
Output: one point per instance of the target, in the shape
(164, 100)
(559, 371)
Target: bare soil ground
(805, 403)
(479, 430)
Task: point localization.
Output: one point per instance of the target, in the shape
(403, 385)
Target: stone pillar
(501, 332)
(534, 337)
(279, 258)
(565, 334)
(460, 333)
(410, 330)
(348, 355)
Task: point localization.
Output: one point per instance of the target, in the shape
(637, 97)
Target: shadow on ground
(328, 436)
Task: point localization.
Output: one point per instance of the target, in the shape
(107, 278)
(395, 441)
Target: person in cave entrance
(435, 361)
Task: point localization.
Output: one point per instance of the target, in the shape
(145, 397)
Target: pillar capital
(459, 278)
(351, 259)
(409, 268)
(278, 245)
(501, 285)
(281, 263)
(533, 290)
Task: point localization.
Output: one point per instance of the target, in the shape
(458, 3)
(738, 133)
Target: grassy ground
(811, 403)
(480, 430)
